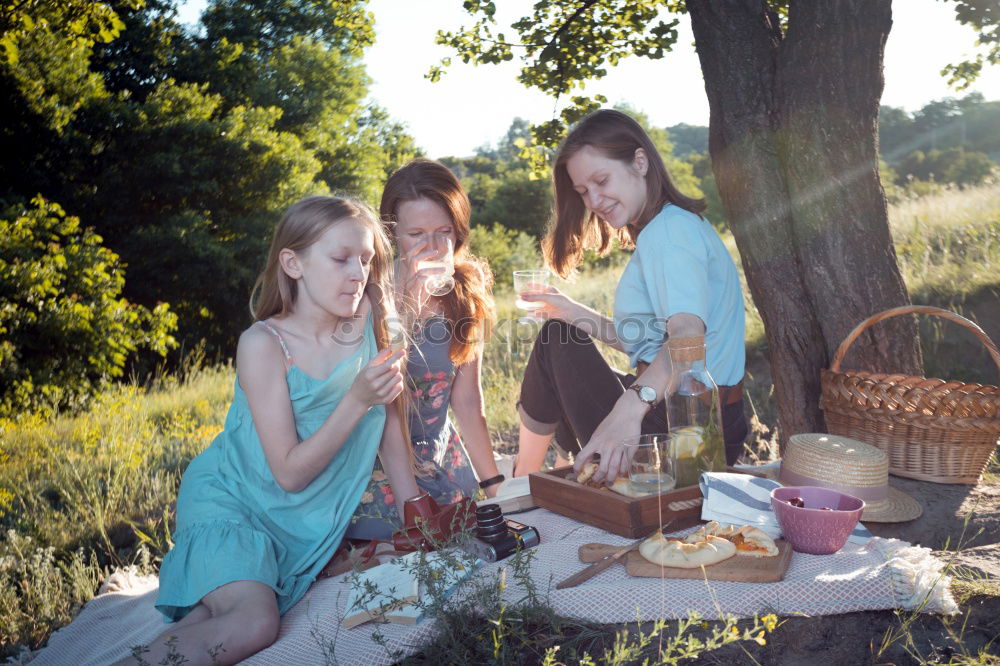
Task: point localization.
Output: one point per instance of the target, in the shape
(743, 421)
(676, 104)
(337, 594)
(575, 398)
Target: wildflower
(760, 639)
(769, 621)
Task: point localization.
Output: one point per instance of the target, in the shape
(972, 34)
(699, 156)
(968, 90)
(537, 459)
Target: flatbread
(675, 553)
(749, 541)
(586, 473)
(623, 486)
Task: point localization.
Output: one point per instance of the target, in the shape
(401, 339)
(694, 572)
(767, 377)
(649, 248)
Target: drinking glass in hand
(442, 281)
(530, 282)
(651, 465)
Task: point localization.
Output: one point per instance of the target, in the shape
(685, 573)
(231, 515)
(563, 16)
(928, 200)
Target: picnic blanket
(881, 574)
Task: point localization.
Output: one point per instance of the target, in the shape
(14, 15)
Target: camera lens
(490, 524)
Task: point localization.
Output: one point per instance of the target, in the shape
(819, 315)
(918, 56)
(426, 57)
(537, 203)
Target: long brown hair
(274, 294)
(573, 227)
(469, 306)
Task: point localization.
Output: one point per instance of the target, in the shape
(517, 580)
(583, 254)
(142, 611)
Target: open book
(392, 592)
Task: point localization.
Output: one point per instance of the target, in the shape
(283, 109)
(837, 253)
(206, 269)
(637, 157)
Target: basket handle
(915, 309)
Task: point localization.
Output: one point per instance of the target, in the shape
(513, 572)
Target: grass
(82, 494)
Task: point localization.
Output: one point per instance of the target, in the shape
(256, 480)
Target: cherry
(797, 501)
(825, 508)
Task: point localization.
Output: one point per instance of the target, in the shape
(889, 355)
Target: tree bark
(793, 140)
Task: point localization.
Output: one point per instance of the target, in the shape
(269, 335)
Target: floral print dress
(443, 467)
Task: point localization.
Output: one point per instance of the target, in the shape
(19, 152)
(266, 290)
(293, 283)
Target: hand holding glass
(530, 282)
(442, 281)
(651, 466)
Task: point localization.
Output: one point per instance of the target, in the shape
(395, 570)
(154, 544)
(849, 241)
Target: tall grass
(82, 492)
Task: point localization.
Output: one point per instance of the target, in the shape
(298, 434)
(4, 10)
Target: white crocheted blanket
(881, 574)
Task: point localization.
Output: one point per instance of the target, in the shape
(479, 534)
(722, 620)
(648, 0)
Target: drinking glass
(530, 282)
(651, 464)
(397, 333)
(441, 283)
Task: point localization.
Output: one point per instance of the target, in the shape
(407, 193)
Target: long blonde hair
(469, 306)
(274, 293)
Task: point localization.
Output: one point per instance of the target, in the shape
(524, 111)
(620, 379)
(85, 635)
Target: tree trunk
(793, 140)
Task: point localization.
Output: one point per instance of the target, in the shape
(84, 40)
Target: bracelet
(485, 483)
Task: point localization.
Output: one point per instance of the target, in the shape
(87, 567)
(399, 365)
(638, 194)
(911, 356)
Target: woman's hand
(624, 421)
(381, 380)
(553, 304)
(411, 279)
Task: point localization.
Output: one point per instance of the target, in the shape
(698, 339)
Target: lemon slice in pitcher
(686, 441)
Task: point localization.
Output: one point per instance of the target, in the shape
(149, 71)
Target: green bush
(64, 331)
(505, 250)
(952, 165)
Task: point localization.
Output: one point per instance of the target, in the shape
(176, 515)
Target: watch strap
(486, 483)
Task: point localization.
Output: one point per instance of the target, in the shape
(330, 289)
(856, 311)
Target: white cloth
(880, 575)
(741, 499)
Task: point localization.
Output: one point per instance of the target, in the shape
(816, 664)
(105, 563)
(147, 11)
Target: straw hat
(850, 466)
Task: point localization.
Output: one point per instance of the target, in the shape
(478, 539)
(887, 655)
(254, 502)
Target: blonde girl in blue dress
(261, 511)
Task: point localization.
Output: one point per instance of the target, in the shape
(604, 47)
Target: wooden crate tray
(631, 517)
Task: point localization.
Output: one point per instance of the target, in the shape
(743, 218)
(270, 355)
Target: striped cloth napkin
(741, 499)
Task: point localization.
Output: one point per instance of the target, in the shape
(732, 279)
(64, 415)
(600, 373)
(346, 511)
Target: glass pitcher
(694, 413)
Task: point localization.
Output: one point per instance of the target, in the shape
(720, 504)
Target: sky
(474, 106)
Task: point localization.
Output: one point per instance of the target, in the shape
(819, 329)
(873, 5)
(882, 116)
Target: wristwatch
(646, 393)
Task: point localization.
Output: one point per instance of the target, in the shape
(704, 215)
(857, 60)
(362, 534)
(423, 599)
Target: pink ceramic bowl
(812, 529)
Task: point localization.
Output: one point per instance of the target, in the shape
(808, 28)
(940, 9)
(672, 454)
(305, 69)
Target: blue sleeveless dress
(235, 523)
(443, 466)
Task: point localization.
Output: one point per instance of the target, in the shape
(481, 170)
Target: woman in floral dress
(426, 212)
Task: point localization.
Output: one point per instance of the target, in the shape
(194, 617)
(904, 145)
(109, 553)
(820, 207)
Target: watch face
(646, 393)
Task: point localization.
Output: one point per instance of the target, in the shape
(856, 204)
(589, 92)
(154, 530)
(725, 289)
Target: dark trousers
(568, 389)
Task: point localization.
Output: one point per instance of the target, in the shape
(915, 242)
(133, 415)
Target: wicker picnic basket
(931, 429)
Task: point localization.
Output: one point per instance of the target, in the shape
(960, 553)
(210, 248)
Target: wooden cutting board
(738, 568)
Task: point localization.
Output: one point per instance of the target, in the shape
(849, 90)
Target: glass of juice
(530, 282)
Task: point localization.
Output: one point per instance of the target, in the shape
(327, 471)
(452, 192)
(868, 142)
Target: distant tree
(688, 139)
(969, 168)
(952, 165)
(969, 122)
(520, 202)
(64, 329)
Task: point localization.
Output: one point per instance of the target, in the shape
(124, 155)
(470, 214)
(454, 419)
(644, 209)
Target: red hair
(469, 306)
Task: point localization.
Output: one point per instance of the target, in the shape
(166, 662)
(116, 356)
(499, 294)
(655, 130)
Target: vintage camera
(497, 537)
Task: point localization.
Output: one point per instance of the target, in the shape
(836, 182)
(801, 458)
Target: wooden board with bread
(716, 552)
